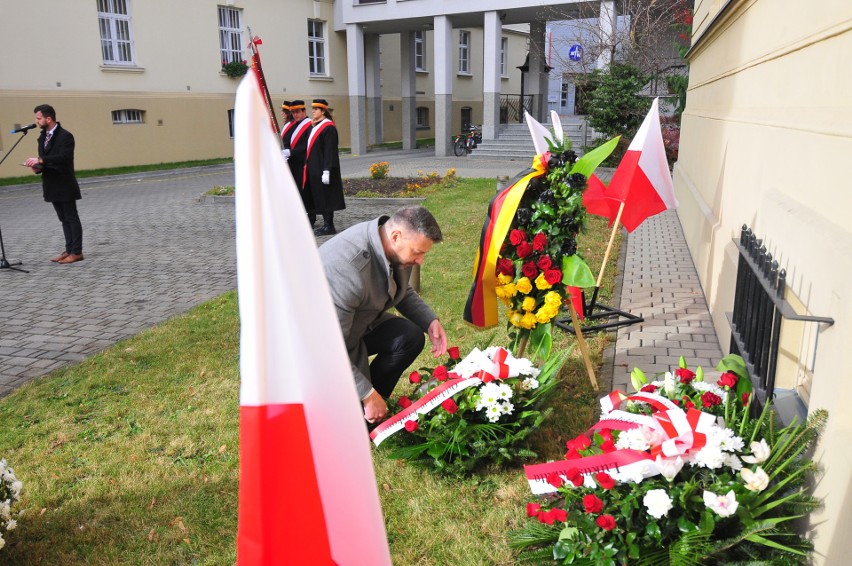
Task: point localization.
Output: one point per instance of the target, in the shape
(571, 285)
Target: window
(464, 52)
(230, 35)
(504, 54)
(128, 116)
(419, 51)
(422, 117)
(563, 102)
(231, 123)
(316, 47)
(114, 26)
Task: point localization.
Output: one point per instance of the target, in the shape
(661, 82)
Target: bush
(614, 106)
(379, 170)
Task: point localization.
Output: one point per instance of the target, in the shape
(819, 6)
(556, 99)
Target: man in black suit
(55, 163)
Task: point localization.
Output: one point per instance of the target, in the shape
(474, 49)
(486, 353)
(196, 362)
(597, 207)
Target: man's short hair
(419, 219)
(46, 110)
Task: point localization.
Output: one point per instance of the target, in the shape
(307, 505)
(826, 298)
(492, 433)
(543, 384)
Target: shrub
(379, 170)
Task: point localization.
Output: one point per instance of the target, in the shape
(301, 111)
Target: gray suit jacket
(358, 275)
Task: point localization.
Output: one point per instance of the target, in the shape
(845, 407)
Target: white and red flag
(307, 487)
(642, 182)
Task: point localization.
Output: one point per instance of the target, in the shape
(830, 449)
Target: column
(372, 51)
(444, 52)
(357, 88)
(536, 84)
(492, 43)
(408, 84)
(607, 21)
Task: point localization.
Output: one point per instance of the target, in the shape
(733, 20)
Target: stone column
(607, 21)
(536, 77)
(408, 85)
(492, 39)
(357, 88)
(444, 52)
(374, 89)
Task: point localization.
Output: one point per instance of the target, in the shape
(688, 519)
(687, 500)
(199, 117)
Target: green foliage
(235, 69)
(614, 105)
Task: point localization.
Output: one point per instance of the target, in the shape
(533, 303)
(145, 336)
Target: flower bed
(10, 492)
(677, 473)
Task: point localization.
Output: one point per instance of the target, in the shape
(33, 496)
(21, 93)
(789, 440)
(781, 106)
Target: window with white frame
(419, 51)
(316, 48)
(128, 116)
(504, 55)
(230, 35)
(464, 52)
(422, 117)
(116, 37)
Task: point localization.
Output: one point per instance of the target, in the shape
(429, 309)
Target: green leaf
(590, 161)
(576, 273)
(568, 533)
(638, 379)
(772, 544)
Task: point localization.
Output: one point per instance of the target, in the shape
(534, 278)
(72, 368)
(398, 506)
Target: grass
(120, 170)
(131, 457)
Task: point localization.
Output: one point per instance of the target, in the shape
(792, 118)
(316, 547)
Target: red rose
(533, 509)
(559, 514)
(687, 403)
(453, 351)
(592, 503)
(539, 242)
(440, 373)
(529, 270)
(728, 379)
(608, 446)
(524, 250)
(411, 426)
(710, 399)
(579, 443)
(606, 434)
(517, 236)
(685, 375)
(404, 402)
(575, 477)
(745, 398)
(544, 262)
(606, 522)
(553, 276)
(605, 480)
(554, 479)
(547, 517)
(450, 406)
(649, 388)
(572, 455)
(414, 377)
(505, 267)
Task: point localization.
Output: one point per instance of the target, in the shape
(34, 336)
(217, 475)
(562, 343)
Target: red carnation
(533, 509)
(685, 375)
(539, 242)
(547, 517)
(606, 522)
(605, 480)
(414, 377)
(453, 351)
(575, 477)
(450, 406)
(517, 236)
(649, 388)
(440, 373)
(525, 249)
(411, 426)
(710, 399)
(529, 270)
(728, 379)
(553, 276)
(687, 403)
(544, 262)
(554, 479)
(404, 402)
(505, 267)
(559, 514)
(592, 503)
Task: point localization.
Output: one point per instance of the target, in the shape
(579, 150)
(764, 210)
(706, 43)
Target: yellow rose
(528, 304)
(524, 285)
(503, 279)
(541, 283)
(545, 314)
(506, 301)
(552, 298)
(515, 318)
(510, 289)
(528, 321)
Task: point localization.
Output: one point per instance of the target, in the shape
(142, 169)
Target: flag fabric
(307, 490)
(576, 295)
(642, 180)
(481, 307)
(596, 201)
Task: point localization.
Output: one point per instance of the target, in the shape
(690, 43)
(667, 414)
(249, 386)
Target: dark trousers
(71, 226)
(396, 343)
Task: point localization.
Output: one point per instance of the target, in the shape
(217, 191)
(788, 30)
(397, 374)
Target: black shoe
(312, 218)
(325, 230)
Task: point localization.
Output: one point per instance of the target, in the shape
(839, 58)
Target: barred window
(419, 51)
(422, 117)
(316, 47)
(464, 52)
(128, 116)
(230, 35)
(115, 31)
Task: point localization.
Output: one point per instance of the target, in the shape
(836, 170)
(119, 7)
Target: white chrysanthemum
(703, 386)
(733, 462)
(2, 466)
(529, 383)
(506, 408)
(724, 438)
(16, 488)
(10, 526)
(657, 502)
(472, 363)
(493, 412)
(632, 439)
(711, 456)
(489, 395)
(504, 392)
(5, 510)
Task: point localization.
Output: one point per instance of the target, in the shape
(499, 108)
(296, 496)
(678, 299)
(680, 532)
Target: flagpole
(615, 225)
(584, 348)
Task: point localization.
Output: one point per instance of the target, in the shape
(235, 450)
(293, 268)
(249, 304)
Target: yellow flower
(552, 298)
(528, 304)
(524, 285)
(515, 318)
(545, 314)
(528, 321)
(541, 283)
(504, 279)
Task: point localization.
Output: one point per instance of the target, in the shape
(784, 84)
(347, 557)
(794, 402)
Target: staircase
(514, 141)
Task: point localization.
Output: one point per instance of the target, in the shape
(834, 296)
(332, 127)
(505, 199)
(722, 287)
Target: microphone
(24, 129)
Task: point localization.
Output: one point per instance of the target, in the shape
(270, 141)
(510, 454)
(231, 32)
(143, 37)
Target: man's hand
(326, 177)
(31, 162)
(438, 338)
(375, 408)
(285, 153)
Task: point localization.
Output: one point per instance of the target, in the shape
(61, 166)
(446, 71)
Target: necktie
(391, 283)
(47, 138)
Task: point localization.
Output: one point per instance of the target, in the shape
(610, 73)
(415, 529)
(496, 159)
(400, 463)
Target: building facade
(764, 140)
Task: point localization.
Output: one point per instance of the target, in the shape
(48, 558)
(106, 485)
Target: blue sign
(576, 52)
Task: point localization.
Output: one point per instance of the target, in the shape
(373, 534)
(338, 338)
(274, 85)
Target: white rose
(658, 503)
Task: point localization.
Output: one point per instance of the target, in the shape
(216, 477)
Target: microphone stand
(5, 263)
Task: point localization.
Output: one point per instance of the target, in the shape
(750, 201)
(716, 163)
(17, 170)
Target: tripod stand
(5, 263)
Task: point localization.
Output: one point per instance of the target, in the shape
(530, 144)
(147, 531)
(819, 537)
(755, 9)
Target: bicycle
(464, 143)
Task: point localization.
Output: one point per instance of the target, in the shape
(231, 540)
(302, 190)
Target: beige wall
(766, 138)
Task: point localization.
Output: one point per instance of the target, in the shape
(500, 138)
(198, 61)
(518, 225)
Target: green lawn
(131, 457)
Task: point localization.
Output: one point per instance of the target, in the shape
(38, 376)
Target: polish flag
(642, 180)
(307, 488)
